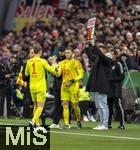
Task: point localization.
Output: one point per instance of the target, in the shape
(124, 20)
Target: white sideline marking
(96, 135)
(84, 134)
(9, 124)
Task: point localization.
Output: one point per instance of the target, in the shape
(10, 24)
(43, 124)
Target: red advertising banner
(30, 10)
(36, 8)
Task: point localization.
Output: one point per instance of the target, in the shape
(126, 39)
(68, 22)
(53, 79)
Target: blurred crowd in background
(117, 27)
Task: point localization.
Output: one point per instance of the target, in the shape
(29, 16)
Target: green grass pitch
(89, 139)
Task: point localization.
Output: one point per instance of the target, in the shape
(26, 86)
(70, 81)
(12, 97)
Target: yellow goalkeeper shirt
(36, 68)
(70, 70)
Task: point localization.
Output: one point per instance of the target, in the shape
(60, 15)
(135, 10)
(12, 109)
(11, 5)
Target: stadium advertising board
(29, 11)
(34, 9)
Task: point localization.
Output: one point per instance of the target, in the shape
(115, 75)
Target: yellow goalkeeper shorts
(38, 96)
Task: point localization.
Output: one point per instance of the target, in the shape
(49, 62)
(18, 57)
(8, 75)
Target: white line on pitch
(9, 124)
(96, 135)
(83, 134)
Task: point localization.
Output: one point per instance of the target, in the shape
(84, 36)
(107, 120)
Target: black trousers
(86, 105)
(118, 105)
(27, 104)
(2, 99)
(58, 107)
(5, 93)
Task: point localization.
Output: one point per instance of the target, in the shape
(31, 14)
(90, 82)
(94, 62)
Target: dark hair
(37, 49)
(62, 48)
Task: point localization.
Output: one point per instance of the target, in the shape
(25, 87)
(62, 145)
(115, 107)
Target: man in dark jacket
(56, 91)
(99, 81)
(115, 95)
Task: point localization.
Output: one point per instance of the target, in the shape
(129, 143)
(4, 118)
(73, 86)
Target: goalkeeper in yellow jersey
(36, 69)
(72, 72)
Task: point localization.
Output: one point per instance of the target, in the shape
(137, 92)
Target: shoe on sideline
(54, 126)
(101, 128)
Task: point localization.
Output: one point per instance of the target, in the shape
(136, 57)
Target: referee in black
(115, 94)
